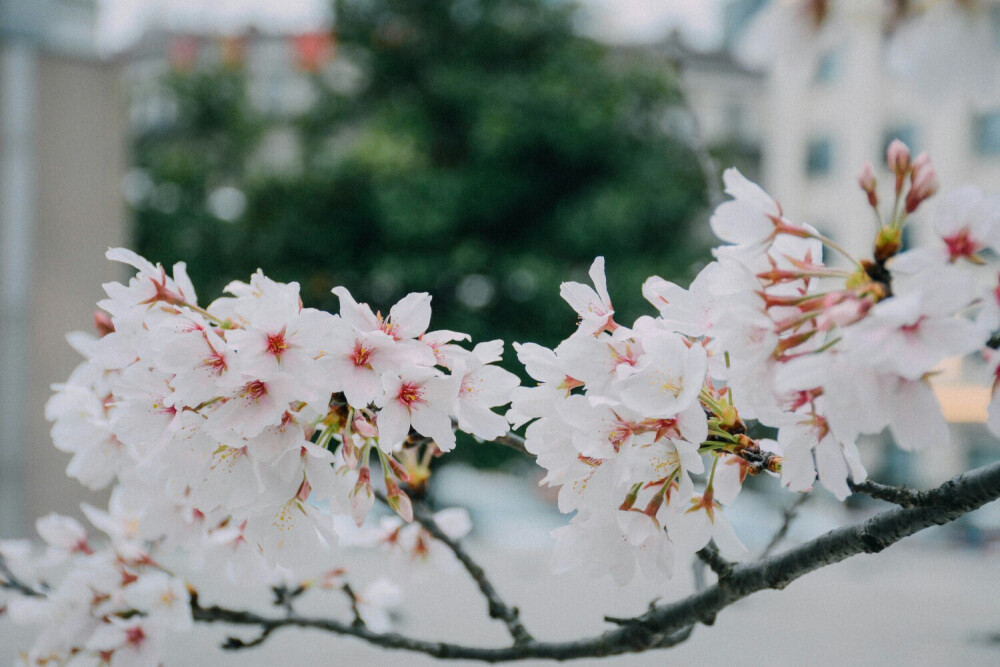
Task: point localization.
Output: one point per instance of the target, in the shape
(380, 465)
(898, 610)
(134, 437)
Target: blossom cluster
(241, 434)
(240, 437)
(623, 417)
(114, 606)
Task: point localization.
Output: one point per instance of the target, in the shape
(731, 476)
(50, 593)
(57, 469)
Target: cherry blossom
(244, 440)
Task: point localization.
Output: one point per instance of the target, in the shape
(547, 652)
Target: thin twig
(668, 624)
(237, 644)
(10, 582)
(514, 441)
(358, 622)
(284, 597)
(788, 515)
(497, 608)
(898, 495)
(710, 556)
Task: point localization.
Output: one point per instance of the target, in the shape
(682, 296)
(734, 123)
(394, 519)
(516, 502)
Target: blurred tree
(475, 149)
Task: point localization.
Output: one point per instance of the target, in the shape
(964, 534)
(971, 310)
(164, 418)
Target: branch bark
(10, 582)
(669, 624)
(897, 495)
(710, 556)
(498, 609)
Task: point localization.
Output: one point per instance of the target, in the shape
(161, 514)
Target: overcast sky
(122, 21)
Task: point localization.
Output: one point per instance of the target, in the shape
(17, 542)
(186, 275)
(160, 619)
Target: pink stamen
(254, 390)
(411, 394)
(134, 637)
(276, 344)
(361, 355)
(961, 245)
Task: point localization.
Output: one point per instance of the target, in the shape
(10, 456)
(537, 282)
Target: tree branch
(514, 441)
(666, 625)
(497, 608)
(710, 556)
(358, 622)
(9, 581)
(898, 495)
(510, 439)
(237, 644)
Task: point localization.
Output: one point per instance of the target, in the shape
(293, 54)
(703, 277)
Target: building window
(819, 157)
(906, 133)
(986, 133)
(828, 67)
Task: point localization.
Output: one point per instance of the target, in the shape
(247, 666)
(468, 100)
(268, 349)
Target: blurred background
(480, 150)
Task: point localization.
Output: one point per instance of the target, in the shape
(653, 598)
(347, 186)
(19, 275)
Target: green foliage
(480, 151)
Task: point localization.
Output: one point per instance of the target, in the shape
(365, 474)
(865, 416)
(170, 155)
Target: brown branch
(668, 624)
(497, 608)
(897, 495)
(514, 441)
(237, 644)
(10, 582)
(710, 556)
(358, 622)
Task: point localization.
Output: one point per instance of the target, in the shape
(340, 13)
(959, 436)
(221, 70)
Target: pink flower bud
(919, 162)
(923, 186)
(399, 501)
(365, 428)
(362, 497)
(103, 323)
(898, 157)
(866, 179)
(397, 469)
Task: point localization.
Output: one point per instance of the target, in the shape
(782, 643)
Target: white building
(62, 156)
(825, 109)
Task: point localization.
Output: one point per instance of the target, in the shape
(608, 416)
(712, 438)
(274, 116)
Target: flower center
(961, 245)
(361, 355)
(411, 394)
(276, 344)
(134, 637)
(216, 363)
(254, 390)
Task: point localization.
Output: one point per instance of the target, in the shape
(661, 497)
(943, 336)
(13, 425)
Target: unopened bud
(920, 162)
(397, 469)
(866, 179)
(897, 157)
(364, 427)
(103, 323)
(923, 186)
(362, 497)
(399, 501)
